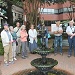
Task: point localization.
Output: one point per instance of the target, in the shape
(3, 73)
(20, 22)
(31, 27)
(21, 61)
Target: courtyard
(64, 63)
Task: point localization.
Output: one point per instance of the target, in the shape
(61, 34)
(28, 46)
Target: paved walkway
(64, 63)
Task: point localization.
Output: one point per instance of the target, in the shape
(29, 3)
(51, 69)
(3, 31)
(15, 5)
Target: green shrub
(1, 48)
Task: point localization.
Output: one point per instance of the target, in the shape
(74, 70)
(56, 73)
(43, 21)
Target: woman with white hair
(32, 38)
(14, 41)
(23, 37)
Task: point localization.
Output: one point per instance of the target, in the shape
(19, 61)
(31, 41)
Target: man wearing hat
(71, 37)
(7, 44)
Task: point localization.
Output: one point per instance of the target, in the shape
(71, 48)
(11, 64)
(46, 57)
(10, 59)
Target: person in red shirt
(23, 37)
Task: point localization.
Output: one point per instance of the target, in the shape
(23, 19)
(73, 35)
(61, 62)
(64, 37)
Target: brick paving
(64, 63)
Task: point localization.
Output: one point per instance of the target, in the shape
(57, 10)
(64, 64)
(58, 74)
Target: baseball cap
(5, 24)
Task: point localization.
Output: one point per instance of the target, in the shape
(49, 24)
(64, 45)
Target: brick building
(55, 12)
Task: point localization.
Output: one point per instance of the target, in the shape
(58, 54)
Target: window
(18, 15)
(15, 14)
(47, 11)
(70, 9)
(60, 10)
(48, 23)
(56, 11)
(65, 10)
(51, 11)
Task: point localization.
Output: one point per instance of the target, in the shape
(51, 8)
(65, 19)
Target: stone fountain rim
(43, 51)
(34, 69)
(45, 66)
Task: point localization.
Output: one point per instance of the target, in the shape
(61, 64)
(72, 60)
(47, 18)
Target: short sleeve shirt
(70, 29)
(58, 29)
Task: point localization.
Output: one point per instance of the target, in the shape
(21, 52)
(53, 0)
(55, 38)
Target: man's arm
(60, 32)
(56, 32)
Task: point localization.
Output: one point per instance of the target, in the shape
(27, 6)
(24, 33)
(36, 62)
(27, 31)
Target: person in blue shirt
(14, 41)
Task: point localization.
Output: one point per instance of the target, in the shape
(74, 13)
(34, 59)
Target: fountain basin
(37, 72)
(52, 72)
(44, 67)
(44, 51)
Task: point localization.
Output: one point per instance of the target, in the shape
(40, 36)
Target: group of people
(70, 30)
(15, 41)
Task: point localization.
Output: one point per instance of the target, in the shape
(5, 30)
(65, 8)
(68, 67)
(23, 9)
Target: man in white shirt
(7, 44)
(71, 37)
(58, 37)
(17, 30)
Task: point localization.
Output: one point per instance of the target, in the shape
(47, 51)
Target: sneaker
(6, 64)
(26, 55)
(61, 53)
(15, 59)
(69, 56)
(11, 62)
(55, 54)
(23, 57)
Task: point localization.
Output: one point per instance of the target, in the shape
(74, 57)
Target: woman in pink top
(23, 36)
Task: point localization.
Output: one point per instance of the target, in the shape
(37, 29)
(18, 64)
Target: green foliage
(72, 0)
(58, 1)
(17, 2)
(1, 48)
(13, 2)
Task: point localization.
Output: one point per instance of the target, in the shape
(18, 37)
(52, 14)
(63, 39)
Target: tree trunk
(9, 14)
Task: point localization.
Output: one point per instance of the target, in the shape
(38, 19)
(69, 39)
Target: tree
(31, 8)
(72, 9)
(8, 9)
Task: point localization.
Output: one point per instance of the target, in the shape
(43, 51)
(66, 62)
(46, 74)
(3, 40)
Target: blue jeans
(71, 42)
(32, 46)
(58, 42)
(24, 48)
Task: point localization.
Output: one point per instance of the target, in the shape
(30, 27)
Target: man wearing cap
(58, 37)
(7, 44)
(71, 37)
